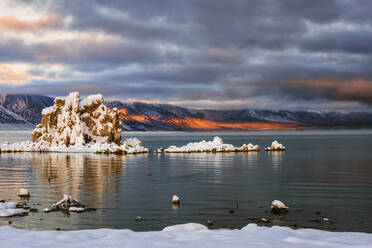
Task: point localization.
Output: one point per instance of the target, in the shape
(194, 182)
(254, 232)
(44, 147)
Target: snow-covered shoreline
(185, 235)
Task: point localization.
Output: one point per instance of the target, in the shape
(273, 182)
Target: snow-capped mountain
(151, 117)
(138, 116)
(8, 117)
(27, 107)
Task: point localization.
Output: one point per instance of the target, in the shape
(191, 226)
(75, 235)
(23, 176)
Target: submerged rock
(175, 200)
(23, 192)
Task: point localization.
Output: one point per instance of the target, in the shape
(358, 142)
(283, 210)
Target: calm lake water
(322, 171)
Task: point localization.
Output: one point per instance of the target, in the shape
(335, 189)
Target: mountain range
(138, 116)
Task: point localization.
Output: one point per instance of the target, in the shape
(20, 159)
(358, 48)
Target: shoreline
(185, 235)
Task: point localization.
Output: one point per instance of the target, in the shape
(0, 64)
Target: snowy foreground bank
(187, 235)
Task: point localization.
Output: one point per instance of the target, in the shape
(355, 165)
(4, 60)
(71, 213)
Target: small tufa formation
(66, 204)
(23, 192)
(278, 207)
(175, 200)
(214, 146)
(275, 146)
(74, 122)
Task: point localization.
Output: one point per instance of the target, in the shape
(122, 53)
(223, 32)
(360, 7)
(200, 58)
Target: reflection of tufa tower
(78, 173)
(72, 122)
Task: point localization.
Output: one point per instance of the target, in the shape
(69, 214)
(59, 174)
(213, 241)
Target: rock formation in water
(216, 145)
(74, 122)
(74, 125)
(275, 146)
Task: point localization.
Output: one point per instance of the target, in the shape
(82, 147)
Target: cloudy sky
(288, 54)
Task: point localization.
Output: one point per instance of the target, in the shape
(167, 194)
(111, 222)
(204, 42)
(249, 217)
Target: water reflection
(315, 174)
(251, 158)
(81, 175)
(276, 159)
(13, 175)
(84, 176)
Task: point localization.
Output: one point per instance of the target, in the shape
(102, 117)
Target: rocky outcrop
(74, 122)
(74, 125)
(275, 146)
(216, 145)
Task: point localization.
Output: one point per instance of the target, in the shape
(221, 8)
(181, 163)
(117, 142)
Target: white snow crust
(90, 100)
(216, 145)
(8, 209)
(186, 236)
(75, 209)
(27, 146)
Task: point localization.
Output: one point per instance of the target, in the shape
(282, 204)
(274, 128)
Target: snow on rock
(185, 227)
(74, 125)
(275, 146)
(23, 192)
(175, 199)
(72, 122)
(28, 146)
(216, 145)
(278, 207)
(185, 236)
(66, 204)
(76, 209)
(8, 209)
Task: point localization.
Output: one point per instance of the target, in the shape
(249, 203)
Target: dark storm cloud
(79, 51)
(357, 41)
(297, 50)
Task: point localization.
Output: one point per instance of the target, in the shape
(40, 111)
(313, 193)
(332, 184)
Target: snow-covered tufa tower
(72, 122)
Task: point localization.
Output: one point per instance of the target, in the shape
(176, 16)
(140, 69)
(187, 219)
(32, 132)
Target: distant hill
(153, 117)
(27, 106)
(138, 116)
(8, 117)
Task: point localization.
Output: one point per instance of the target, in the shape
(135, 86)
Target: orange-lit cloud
(15, 24)
(222, 55)
(9, 75)
(353, 89)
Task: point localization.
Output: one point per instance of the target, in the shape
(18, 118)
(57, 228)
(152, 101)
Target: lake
(323, 173)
